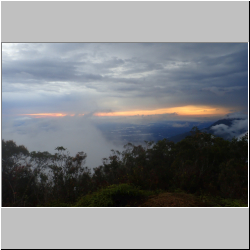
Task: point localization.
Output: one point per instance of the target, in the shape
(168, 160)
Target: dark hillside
(227, 122)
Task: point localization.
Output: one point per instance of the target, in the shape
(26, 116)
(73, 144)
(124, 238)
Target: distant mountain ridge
(228, 122)
(227, 136)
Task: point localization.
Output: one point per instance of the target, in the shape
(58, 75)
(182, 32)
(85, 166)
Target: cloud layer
(237, 129)
(95, 77)
(74, 133)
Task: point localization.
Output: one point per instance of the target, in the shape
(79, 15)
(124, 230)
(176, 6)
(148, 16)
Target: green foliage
(113, 196)
(217, 201)
(231, 202)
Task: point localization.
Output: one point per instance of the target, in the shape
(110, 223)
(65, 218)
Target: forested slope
(200, 164)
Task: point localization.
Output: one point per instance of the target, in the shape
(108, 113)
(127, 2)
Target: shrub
(113, 196)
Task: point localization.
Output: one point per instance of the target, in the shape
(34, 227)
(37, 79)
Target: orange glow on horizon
(181, 111)
(40, 115)
(185, 110)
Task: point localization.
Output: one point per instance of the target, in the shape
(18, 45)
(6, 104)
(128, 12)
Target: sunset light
(186, 110)
(181, 111)
(40, 115)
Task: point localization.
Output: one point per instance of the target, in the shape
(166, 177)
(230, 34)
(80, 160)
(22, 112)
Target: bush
(113, 196)
(217, 201)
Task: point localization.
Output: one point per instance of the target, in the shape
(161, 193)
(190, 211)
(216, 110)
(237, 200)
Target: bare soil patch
(167, 199)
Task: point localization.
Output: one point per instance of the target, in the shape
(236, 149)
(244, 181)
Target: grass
(216, 201)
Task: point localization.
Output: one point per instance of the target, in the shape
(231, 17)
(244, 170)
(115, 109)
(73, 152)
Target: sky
(54, 93)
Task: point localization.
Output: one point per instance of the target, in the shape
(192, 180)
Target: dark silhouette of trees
(200, 163)
(16, 176)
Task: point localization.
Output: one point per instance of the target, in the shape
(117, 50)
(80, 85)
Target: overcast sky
(162, 80)
(80, 78)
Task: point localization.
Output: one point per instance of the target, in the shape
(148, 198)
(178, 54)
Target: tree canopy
(200, 163)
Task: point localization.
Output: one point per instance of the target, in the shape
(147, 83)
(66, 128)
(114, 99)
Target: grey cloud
(47, 102)
(171, 73)
(220, 129)
(236, 115)
(222, 91)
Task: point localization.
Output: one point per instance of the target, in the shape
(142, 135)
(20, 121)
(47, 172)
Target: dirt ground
(173, 200)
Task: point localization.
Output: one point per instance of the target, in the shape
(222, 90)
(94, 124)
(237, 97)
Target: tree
(15, 173)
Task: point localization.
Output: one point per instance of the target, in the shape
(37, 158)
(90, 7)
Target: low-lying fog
(45, 134)
(83, 133)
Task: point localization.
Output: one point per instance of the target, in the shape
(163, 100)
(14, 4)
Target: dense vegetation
(201, 164)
